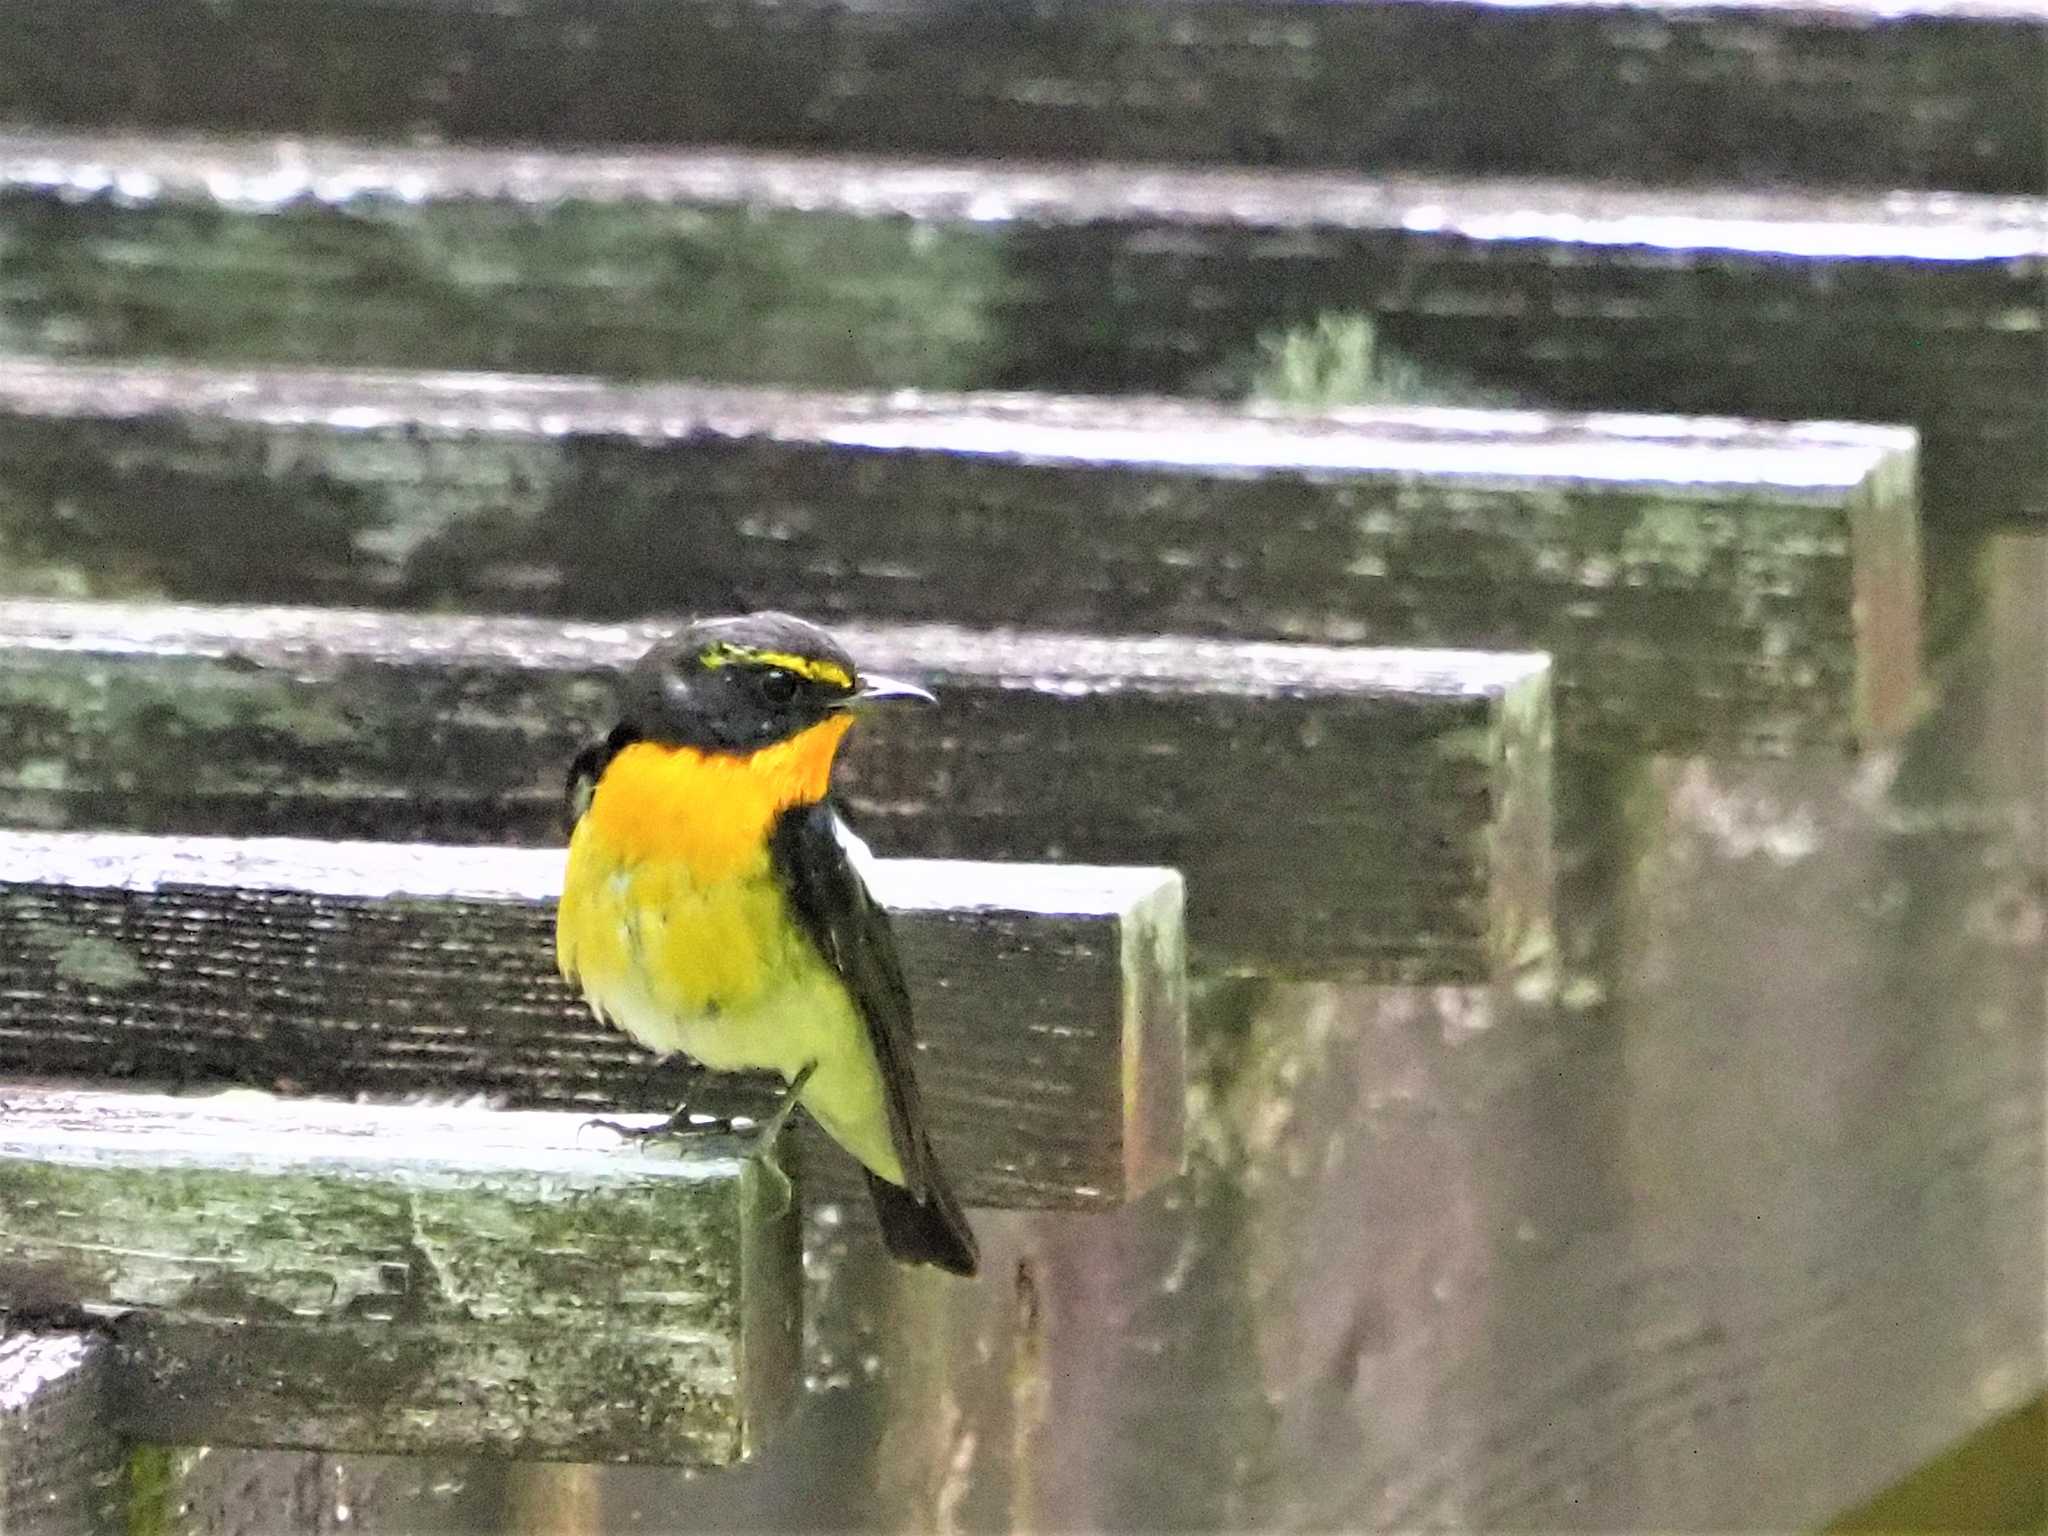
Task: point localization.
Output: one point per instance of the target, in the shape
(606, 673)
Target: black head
(740, 684)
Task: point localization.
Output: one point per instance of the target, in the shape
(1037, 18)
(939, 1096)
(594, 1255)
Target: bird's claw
(761, 1152)
(674, 1128)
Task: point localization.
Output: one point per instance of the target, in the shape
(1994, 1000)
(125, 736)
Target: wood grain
(408, 1280)
(60, 1456)
(847, 271)
(1617, 1260)
(1941, 94)
(1344, 811)
(1696, 582)
(1050, 1001)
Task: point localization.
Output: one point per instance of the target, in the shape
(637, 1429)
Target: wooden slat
(1698, 582)
(1748, 1227)
(1338, 811)
(406, 1280)
(193, 1490)
(1941, 93)
(1050, 1000)
(60, 1456)
(845, 271)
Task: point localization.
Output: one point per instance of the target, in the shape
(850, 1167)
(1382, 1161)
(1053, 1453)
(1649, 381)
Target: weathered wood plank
(60, 1456)
(1050, 1000)
(1338, 811)
(1697, 582)
(851, 272)
(205, 1490)
(1445, 1260)
(353, 1278)
(1944, 93)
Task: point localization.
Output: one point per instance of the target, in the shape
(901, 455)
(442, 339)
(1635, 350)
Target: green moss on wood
(293, 1287)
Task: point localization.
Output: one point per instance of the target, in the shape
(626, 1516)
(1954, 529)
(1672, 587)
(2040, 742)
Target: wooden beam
(848, 272)
(1051, 999)
(406, 1279)
(1939, 93)
(60, 1456)
(1714, 585)
(1337, 811)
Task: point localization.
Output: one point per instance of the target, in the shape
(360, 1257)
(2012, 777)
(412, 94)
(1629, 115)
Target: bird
(714, 906)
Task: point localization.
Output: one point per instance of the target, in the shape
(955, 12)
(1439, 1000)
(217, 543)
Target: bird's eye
(778, 686)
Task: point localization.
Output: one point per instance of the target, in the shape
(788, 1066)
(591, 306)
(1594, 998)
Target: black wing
(921, 1222)
(852, 932)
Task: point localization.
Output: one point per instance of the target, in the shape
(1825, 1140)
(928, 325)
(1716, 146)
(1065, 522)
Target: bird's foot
(678, 1125)
(681, 1121)
(762, 1153)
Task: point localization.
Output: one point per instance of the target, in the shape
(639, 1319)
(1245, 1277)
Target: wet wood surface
(1606, 1260)
(60, 1455)
(1733, 1225)
(1708, 585)
(1621, 1261)
(1050, 1001)
(850, 272)
(1336, 810)
(1941, 93)
(409, 1279)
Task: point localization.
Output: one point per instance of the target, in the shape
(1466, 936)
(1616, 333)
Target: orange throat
(710, 811)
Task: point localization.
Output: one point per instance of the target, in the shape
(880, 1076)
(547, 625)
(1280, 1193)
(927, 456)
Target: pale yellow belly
(721, 973)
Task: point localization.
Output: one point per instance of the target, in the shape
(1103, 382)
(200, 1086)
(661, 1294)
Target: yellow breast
(670, 912)
(674, 926)
(711, 812)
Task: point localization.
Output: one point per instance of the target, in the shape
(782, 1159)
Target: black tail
(933, 1230)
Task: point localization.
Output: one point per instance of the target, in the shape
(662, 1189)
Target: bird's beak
(886, 690)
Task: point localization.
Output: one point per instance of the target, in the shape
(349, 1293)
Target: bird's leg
(763, 1153)
(679, 1122)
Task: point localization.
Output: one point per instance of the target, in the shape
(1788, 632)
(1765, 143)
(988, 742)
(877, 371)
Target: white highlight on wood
(1606, 448)
(1077, 666)
(380, 871)
(31, 1363)
(257, 175)
(423, 1145)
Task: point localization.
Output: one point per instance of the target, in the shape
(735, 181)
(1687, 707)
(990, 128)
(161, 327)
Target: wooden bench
(1786, 558)
(1338, 811)
(1920, 308)
(1854, 92)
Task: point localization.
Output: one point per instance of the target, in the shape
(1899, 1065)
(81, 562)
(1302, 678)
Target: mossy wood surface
(1050, 1001)
(1862, 92)
(1703, 585)
(1337, 811)
(418, 1279)
(839, 271)
(60, 1455)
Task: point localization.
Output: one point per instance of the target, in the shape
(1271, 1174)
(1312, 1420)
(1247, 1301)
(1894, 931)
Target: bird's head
(738, 685)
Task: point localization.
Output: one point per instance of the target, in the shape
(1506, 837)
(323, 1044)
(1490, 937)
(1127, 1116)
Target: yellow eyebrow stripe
(810, 667)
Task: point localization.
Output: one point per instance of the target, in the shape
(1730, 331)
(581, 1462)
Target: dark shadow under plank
(1830, 92)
